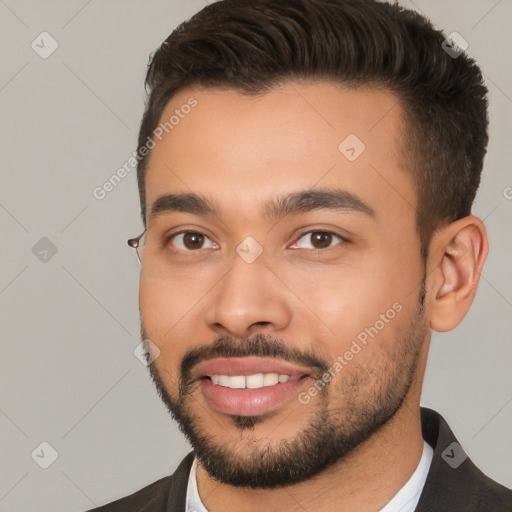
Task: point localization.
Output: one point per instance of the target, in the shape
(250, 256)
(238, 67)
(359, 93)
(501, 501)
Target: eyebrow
(295, 203)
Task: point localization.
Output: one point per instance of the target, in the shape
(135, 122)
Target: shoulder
(454, 482)
(156, 497)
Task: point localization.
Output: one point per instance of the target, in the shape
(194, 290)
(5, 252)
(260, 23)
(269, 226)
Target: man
(307, 170)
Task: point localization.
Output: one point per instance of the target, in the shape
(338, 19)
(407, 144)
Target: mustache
(260, 345)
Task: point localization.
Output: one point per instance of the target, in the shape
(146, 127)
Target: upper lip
(247, 366)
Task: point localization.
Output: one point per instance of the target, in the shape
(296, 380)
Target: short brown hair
(253, 45)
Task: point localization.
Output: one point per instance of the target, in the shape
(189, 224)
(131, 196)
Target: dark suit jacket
(454, 483)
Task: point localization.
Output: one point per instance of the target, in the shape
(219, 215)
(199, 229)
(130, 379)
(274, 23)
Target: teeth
(256, 381)
(237, 382)
(270, 379)
(223, 380)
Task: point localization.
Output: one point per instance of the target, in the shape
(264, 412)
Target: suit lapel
(176, 501)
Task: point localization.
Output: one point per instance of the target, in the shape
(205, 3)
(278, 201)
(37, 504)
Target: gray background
(69, 325)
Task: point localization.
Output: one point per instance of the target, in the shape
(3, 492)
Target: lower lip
(249, 402)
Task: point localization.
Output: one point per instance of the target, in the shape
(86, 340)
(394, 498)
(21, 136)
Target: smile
(256, 381)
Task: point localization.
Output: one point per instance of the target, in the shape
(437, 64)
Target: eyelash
(170, 237)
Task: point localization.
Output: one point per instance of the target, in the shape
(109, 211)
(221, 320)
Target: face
(281, 280)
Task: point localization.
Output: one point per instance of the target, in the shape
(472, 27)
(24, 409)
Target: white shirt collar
(406, 499)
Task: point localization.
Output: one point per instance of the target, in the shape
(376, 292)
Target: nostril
(261, 323)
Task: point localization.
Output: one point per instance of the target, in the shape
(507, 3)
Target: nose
(249, 299)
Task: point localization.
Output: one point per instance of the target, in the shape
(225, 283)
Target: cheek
(364, 302)
(348, 298)
(161, 308)
(152, 302)
(163, 301)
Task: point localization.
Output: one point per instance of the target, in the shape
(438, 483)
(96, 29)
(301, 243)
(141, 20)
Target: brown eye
(318, 240)
(321, 239)
(193, 240)
(189, 241)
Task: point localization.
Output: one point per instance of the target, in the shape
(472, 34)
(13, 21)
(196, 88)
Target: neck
(364, 480)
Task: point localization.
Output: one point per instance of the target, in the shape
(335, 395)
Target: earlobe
(458, 253)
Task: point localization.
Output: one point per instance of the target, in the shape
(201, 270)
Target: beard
(366, 399)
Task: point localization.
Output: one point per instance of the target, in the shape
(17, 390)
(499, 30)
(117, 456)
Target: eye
(319, 240)
(190, 241)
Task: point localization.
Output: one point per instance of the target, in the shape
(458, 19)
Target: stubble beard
(336, 426)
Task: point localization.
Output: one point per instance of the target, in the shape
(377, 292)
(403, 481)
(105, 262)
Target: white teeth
(256, 381)
(270, 379)
(223, 380)
(237, 382)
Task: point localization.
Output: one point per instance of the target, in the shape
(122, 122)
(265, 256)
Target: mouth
(249, 385)
(249, 372)
(255, 381)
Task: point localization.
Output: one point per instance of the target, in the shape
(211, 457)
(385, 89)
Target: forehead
(241, 150)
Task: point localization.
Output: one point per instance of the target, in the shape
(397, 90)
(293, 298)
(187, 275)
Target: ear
(456, 257)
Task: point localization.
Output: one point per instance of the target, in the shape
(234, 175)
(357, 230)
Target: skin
(242, 151)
